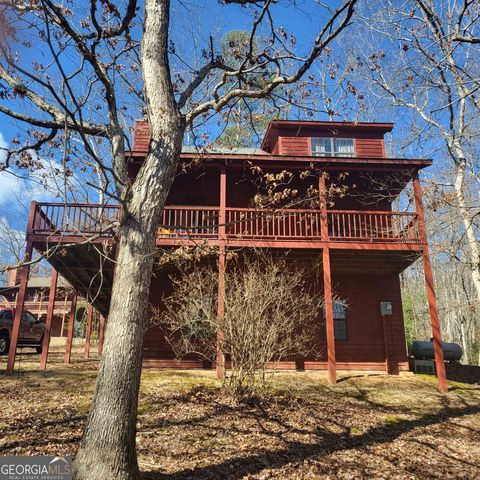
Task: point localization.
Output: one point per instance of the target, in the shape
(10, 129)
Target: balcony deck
(183, 225)
(79, 239)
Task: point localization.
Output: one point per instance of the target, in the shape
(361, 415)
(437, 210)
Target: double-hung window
(340, 325)
(333, 147)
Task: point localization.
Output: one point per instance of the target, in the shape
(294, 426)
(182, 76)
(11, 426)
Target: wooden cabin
(351, 225)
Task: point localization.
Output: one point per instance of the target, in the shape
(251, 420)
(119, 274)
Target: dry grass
(367, 426)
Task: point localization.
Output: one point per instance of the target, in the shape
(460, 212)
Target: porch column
(101, 334)
(327, 289)
(20, 302)
(71, 323)
(88, 331)
(327, 283)
(432, 299)
(221, 272)
(48, 321)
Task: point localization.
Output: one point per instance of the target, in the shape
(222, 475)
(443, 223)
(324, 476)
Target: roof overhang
(289, 161)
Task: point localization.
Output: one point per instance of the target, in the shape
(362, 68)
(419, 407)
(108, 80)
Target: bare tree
(430, 73)
(83, 98)
(271, 315)
(413, 61)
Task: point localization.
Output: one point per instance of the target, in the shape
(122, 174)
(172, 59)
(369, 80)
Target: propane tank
(423, 350)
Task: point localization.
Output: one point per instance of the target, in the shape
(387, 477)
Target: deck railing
(352, 225)
(277, 224)
(194, 222)
(74, 219)
(35, 307)
(191, 222)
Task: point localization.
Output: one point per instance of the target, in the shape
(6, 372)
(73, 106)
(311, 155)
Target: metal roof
(224, 151)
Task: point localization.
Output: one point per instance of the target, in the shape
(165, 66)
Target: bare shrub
(270, 314)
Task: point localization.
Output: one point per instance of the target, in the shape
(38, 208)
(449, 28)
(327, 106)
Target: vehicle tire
(4, 343)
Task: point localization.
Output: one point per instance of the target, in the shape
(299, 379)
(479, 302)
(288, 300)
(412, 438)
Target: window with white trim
(333, 147)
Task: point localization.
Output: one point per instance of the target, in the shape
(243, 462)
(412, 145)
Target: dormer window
(333, 147)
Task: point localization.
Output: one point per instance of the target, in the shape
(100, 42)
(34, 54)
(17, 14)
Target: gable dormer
(326, 139)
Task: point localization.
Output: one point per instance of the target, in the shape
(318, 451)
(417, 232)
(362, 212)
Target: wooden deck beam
(294, 244)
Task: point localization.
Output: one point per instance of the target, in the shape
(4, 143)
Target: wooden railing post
(221, 273)
(71, 324)
(48, 321)
(88, 330)
(432, 299)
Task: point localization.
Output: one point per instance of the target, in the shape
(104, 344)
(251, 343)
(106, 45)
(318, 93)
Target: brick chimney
(141, 136)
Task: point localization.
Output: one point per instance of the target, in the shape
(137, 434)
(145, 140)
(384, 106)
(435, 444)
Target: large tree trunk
(473, 244)
(107, 449)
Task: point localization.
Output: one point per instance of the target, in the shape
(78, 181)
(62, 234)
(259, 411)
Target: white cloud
(20, 184)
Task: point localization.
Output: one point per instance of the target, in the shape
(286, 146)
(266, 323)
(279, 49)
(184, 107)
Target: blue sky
(192, 23)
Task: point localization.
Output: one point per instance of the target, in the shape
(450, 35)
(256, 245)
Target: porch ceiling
(87, 268)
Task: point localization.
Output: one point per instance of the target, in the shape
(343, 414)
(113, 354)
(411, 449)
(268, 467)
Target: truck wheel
(4, 343)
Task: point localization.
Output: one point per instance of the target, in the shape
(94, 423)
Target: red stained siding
(370, 147)
(296, 140)
(364, 348)
(294, 146)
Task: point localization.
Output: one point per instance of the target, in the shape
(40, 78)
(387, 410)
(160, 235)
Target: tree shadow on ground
(364, 375)
(325, 444)
(463, 373)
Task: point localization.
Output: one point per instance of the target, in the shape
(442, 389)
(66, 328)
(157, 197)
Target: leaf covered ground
(367, 426)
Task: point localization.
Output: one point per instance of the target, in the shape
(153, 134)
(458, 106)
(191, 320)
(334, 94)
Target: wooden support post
(12, 352)
(20, 301)
(432, 299)
(327, 288)
(71, 324)
(39, 307)
(48, 321)
(88, 331)
(220, 313)
(327, 283)
(101, 334)
(221, 272)
(65, 300)
(388, 363)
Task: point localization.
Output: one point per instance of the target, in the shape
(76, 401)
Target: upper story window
(333, 147)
